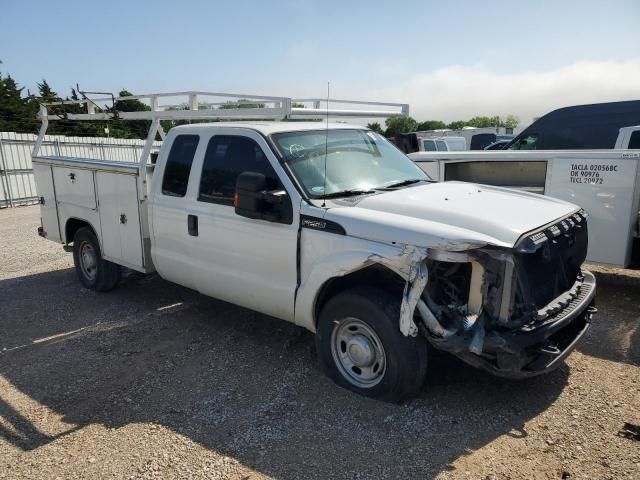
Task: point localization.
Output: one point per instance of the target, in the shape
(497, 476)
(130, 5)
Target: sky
(449, 60)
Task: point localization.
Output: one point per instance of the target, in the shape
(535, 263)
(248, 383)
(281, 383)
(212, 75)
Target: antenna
(326, 149)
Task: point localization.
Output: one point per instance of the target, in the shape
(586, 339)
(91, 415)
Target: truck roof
(267, 128)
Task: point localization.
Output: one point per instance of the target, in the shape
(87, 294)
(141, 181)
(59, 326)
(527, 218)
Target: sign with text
(605, 188)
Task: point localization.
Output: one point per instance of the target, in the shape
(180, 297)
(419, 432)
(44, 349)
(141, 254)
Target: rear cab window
(178, 165)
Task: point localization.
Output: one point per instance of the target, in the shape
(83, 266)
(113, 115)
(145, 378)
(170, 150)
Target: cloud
(461, 92)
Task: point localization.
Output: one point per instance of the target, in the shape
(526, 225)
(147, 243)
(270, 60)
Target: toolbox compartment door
(120, 218)
(74, 186)
(48, 206)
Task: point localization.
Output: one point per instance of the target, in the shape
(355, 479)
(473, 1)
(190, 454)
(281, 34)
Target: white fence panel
(17, 184)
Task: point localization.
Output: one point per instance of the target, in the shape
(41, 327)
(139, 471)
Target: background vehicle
(330, 227)
(497, 145)
(443, 144)
(591, 127)
(481, 140)
(606, 183)
(474, 138)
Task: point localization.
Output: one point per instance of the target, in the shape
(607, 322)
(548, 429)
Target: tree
(483, 122)
(242, 103)
(375, 126)
(512, 121)
(130, 129)
(15, 113)
(398, 125)
(457, 124)
(431, 125)
(47, 94)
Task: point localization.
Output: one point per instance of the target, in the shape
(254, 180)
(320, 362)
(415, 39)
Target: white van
(443, 144)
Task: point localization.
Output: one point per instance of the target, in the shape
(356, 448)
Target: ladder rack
(193, 105)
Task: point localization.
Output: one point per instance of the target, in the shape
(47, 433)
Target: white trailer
(604, 182)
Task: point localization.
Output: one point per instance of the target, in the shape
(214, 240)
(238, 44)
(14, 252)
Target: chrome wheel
(88, 261)
(358, 353)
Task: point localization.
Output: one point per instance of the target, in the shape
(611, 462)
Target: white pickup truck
(331, 227)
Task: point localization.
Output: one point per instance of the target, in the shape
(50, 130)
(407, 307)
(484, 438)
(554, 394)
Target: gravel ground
(156, 381)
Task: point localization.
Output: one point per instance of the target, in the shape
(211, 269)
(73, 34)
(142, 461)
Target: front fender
(326, 256)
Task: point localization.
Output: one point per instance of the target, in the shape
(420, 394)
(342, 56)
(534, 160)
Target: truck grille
(548, 262)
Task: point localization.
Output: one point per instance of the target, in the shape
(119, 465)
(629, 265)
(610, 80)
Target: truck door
(171, 245)
(245, 261)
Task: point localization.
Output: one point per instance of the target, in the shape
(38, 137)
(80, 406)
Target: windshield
(356, 160)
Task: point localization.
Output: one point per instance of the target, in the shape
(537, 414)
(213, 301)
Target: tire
(93, 271)
(358, 329)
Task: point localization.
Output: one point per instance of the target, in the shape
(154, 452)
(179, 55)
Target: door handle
(192, 225)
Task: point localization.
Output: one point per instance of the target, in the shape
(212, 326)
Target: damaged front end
(515, 313)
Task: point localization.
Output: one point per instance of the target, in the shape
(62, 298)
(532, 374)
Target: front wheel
(362, 349)
(93, 271)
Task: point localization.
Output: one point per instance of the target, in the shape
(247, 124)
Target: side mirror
(255, 199)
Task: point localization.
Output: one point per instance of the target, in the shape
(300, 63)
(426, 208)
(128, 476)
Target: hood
(450, 213)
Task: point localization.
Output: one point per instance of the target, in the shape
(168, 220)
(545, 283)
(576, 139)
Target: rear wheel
(362, 349)
(93, 271)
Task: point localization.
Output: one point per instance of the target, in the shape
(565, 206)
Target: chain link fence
(17, 185)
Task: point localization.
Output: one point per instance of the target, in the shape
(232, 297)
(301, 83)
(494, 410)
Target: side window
(429, 146)
(441, 145)
(178, 166)
(227, 157)
(526, 143)
(634, 141)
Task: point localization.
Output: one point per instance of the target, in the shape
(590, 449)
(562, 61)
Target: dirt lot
(156, 381)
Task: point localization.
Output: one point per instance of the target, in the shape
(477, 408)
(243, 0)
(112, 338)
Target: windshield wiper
(411, 181)
(346, 193)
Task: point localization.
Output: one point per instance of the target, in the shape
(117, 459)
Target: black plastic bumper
(534, 350)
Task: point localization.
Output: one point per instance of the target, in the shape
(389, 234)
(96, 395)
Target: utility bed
(606, 183)
(103, 192)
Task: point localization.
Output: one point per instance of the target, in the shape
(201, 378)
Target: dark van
(594, 126)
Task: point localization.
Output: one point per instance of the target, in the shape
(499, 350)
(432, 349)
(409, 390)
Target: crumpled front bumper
(534, 350)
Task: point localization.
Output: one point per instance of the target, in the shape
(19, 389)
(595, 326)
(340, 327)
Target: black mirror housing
(258, 197)
(249, 197)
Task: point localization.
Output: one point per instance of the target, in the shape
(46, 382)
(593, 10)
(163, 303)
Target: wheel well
(72, 226)
(373, 276)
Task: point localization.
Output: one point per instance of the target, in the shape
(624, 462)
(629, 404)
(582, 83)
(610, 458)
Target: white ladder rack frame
(190, 108)
(280, 108)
